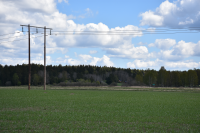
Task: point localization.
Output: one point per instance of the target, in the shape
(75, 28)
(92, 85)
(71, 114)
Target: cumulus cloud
(86, 60)
(104, 61)
(187, 48)
(98, 39)
(40, 13)
(52, 18)
(13, 13)
(168, 55)
(73, 62)
(15, 61)
(163, 44)
(180, 65)
(34, 12)
(142, 64)
(149, 18)
(182, 12)
(129, 51)
(179, 51)
(66, 56)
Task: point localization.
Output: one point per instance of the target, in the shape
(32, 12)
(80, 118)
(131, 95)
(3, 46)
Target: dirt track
(124, 88)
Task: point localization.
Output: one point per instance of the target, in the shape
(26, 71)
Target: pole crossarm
(36, 27)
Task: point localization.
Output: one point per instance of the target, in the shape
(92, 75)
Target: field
(97, 109)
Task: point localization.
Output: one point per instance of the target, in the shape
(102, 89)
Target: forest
(87, 75)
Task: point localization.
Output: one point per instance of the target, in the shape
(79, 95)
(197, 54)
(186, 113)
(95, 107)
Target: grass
(98, 111)
(119, 84)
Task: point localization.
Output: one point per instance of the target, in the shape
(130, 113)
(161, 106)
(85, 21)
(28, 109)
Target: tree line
(97, 75)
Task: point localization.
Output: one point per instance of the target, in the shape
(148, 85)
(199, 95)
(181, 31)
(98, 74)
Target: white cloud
(15, 61)
(180, 65)
(141, 64)
(104, 61)
(187, 49)
(186, 65)
(179, 51)
(163, 44)
(151, 45)
(149, 18)
(93, 51)
(66, 56)
(172, 51)
(88, 60)
(166, 8)
(89, 11)
(34, 12)
(85, 57)
(190, 21)
(73, 62)
(96, 39)
(177, 14)
(13, 13)
(168, 55)
(129, 51)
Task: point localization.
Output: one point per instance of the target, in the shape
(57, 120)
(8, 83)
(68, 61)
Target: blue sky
(177, 51)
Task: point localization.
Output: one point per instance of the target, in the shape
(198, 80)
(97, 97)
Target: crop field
(85, 110)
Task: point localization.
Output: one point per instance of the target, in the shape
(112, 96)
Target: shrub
(113, 84)
(98, 83)
(18, 83)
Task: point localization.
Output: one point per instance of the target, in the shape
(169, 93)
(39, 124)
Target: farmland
(99, 109)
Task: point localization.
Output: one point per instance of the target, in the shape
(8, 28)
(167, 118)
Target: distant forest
(96, 75)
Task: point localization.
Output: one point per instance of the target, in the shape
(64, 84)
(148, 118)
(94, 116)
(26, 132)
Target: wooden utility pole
(45, 58)
(29, 58)
(29, 41)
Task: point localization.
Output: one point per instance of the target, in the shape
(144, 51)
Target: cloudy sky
(132, 34)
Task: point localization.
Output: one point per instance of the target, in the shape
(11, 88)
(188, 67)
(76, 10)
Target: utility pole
(29, 41)
(29, 58)
(45, 58)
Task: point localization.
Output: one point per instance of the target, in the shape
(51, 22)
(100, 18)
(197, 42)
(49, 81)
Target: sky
(124, 34)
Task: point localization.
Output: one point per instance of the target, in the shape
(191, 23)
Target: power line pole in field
(29, 55)
(45, 58)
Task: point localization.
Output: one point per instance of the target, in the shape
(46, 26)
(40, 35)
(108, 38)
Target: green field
(61, 110)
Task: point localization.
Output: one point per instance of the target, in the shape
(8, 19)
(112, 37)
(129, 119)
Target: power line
(116, 33)
(124, 32)
(144, 30)
(19, 32)
(119, 32)
(138, 30)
